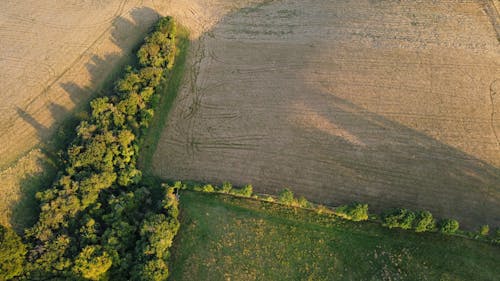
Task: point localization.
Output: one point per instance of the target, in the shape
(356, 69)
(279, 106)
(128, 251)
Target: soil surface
(393, 103)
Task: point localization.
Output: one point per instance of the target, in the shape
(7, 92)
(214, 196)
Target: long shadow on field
(353, 155)
(24, 212)
(386, 164)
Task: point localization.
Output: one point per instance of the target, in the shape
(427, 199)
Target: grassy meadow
(229, 238)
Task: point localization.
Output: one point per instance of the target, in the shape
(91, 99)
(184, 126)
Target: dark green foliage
(496, 236)
(94, 213)
(354, 211)
(448, 226)
(12, 254)
(401, 218)
(424, 222)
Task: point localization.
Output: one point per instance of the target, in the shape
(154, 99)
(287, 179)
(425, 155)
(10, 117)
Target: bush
(286, 197)
(208, 188)
(401, 218)
(354, 211)
(303, 203)
(448, 226)
(496, 236)
(484, 230)
(246, 191)
(226, 187)
(424, 222)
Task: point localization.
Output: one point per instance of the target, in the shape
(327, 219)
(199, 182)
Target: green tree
(92, 263)
(12, 254)
(286, 197)
(354, 211)
(401, 218)
(424, 222)
(448, 226)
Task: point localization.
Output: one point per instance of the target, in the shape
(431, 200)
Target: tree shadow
(354, 155)
(62, 132)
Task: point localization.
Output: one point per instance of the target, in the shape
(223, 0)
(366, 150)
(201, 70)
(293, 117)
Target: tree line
(99, 219)
(419, 221)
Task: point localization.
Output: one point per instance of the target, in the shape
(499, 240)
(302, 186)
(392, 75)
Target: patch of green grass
(168, 92)
(228, 238)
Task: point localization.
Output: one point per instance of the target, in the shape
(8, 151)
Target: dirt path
(386, 102)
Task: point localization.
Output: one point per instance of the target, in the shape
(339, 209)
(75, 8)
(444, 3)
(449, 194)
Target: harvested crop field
(393, 103)
(54, 55)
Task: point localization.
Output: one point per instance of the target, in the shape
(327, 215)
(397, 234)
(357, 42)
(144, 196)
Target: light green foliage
(226, 187)
(448, 226)
(484, 230)
(286, 197)
(246, 191)
(354, 212)
(424, 222)
(208, 188)
(91, 217)
(92, 263)
(12, 254)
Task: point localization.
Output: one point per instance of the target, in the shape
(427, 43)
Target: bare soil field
(392, 103)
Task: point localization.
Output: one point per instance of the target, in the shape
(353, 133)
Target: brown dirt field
(393, 103)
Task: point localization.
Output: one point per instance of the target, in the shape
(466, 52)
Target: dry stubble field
(54, 55)
(393, 103)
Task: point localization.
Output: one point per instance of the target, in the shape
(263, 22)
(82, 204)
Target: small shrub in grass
(269, 199)
(424, 222)
(226, 187)
(354, 211)
(401, 218)
(208, 188)
(286, 197)
(303, 203)
(322, 209)
(484, 230)
(246, 191)
(496, 236)
(448, 226)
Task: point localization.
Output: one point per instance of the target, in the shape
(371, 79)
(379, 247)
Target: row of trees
(421, 221)
(93, 222)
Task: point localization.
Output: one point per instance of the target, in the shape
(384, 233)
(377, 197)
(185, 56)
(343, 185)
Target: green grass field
(229, 238)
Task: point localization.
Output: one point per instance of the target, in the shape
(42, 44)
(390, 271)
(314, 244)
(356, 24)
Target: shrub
(448, 226)
(269, 199)
(208, 188)
(401, 218)
(226, 187)
(484, 230)
(286, 197)
(247, 191)
(496, 236)
(424, 222)
(354, 211)
(303, 203)
(321, 209)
